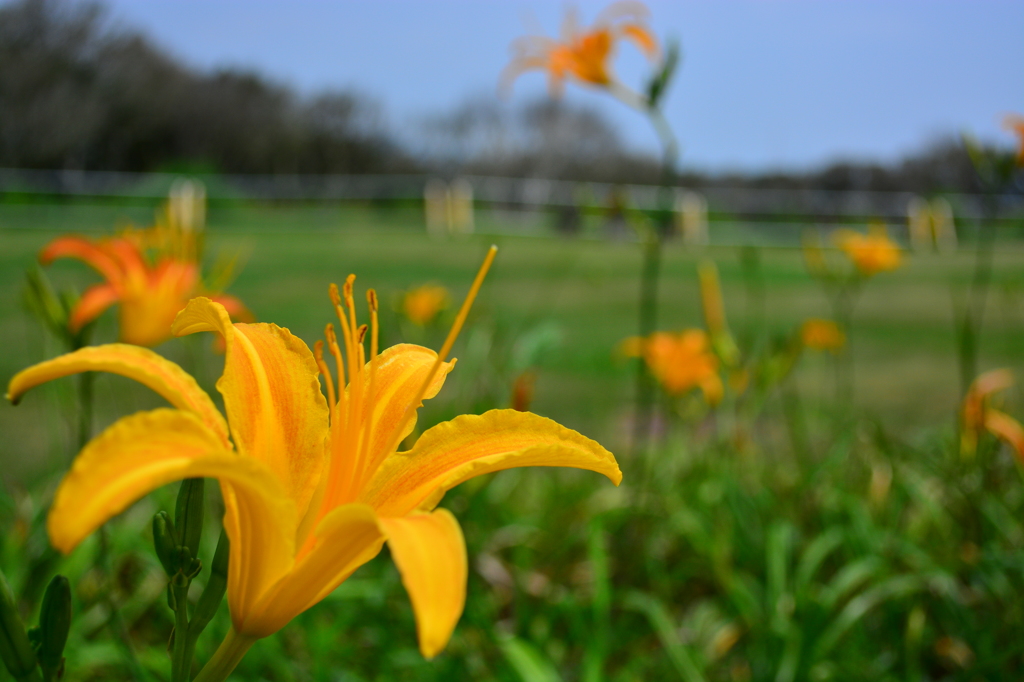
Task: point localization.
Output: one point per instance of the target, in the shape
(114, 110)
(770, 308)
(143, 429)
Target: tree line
(78, 92)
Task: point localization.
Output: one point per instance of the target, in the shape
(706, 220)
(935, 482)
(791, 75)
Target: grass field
(716, 567)
(577, 296)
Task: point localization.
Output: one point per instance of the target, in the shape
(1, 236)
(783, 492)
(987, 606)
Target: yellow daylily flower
(422, 304)
(977, 414)
(679, 361)
(871, 253)
(312, 487)
(584, 54)
(819, 334)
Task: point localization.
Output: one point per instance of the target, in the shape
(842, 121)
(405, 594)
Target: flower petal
(400, 371)
(347, 538)
(271, 389)
(140, 364)
(236, 309)
(470, 445)
(91, 305)
(430, 553)
(642, 37)
(1008, 429)
(73, 246)
(147, 450)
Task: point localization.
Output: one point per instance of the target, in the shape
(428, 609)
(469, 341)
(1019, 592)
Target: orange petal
(400, 371)
(430, 553)
(236, 309)
(643, 39)
(471, 445)
(1008, 429)
(346, 538)
(72, 246)
(141, 364)
(271, 389)
(91, 305)
(147, 450)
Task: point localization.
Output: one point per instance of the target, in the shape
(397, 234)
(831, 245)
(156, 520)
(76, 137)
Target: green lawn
(870, 551)
(579, 295)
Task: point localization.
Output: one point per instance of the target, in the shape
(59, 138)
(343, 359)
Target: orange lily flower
(584, 54)
(1015, 124)
(423, 303)
(871, 253)
(818, 334)
(312, 488)
(151, 274)
(977, 415)
(680, 361)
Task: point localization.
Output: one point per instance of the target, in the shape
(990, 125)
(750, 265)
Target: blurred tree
(78, 92)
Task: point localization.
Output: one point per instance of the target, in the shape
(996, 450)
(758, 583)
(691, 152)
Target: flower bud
(15, 647)
(165, 540)
(188, 516)
(54, 624)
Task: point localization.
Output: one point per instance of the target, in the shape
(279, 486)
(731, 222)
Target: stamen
(361, 334)
(318, 353)
(371, 298)
(335, 297)
(460, 319)
(332, 344)
(364, 463)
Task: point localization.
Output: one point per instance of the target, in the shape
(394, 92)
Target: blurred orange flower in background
(422, 304)
(819, 334)
(150, 273)
(149, 292)
(977, 414)
(583, 54)
(871, 253)
(680, 361)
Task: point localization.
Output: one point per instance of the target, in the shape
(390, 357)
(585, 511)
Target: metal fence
(734, 213)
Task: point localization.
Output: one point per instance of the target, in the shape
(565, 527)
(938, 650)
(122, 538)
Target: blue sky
(765, 84)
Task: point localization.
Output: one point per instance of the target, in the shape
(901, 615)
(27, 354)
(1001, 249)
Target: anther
(371, 298)
(347, 288)
(335, 297)
(361, 333)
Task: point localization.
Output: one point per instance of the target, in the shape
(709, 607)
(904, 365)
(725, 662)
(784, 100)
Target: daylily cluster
(977, 415)
(819, 334)
(150, 273)
(422, 304)
(312, 487)
(680, 361)
(870, 253)
(584, 54)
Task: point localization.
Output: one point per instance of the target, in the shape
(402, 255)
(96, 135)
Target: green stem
(227, 656)
(181, 662)
(649, 275)
(970, 326)
(647, 322)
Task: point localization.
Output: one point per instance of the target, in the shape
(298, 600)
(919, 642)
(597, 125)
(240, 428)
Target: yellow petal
(141, 364)
(147, 450)
(471, 445)
(400, 371)
(430, 553)
(271, 389)
(346, 538)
